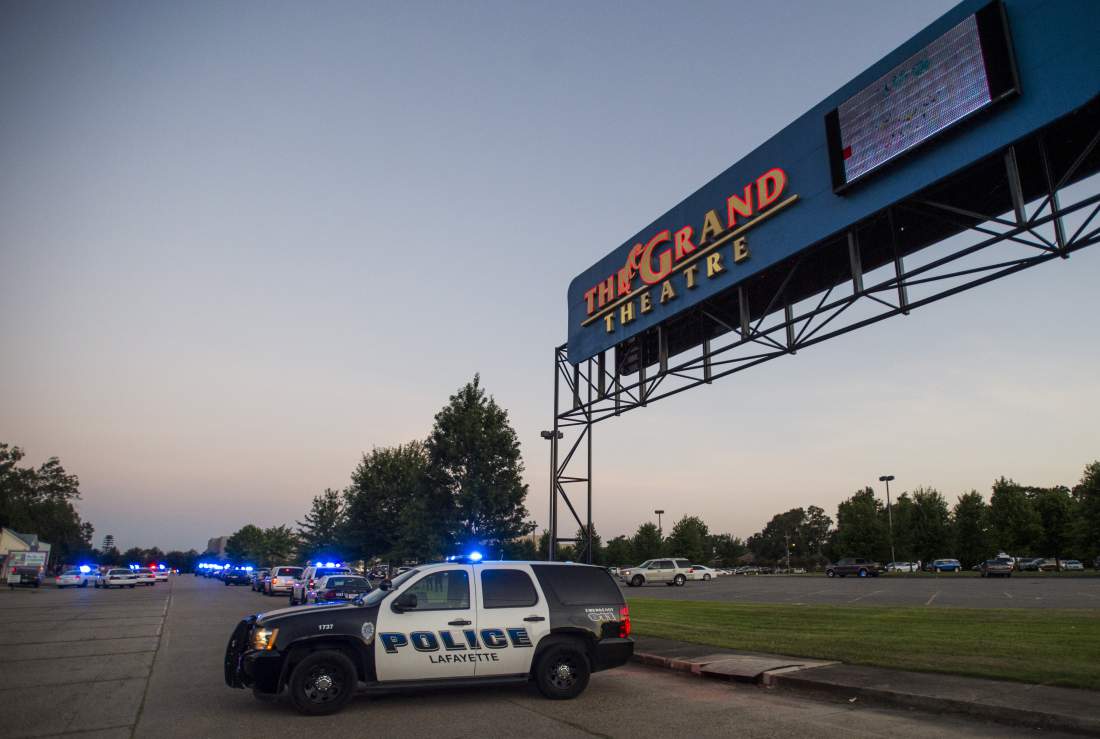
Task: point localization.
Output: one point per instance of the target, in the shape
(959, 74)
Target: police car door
(512, 617)
(433, 638)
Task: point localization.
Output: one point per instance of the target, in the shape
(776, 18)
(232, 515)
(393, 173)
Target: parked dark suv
(853, 566)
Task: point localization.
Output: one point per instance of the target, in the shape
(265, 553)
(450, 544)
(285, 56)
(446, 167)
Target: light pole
(889, 514)
(787, 541)
(552, 527)
(660, 531)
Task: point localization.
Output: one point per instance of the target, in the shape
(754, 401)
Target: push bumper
(613, 653)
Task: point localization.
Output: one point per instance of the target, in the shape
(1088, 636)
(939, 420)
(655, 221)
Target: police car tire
(679, 581)
(555, 685)
(306, 698)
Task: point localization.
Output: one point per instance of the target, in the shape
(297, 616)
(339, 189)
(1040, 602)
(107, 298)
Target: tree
(40, 501)
(521, 549)
(1017, 527)
(391, 512)
(182, 561)
(783, 528)
(1054, 507)
(110, 557)
(689, 540)
(1085, 530)
(619, 552)
(647, 542)
(814, 531)
(474, 455)
(930, 525)
(581, 549)
(971, 516)
(320, 532)
(860, 527)
(278, 545)
(108, 542)
(247, 544)
(133, 556)
(727, 549)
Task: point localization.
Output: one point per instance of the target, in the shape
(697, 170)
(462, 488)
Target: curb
(807, 678)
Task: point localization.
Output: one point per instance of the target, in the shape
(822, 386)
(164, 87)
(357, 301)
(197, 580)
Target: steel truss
(748, 327)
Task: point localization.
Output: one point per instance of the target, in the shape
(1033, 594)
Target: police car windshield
(377, 595)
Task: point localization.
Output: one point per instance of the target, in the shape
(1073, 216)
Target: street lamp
(889, 514)
(660, 530)
(552, 437)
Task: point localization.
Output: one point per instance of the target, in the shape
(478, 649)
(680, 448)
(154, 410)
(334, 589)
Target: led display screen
(962, 72)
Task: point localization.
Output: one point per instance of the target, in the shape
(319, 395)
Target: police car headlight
(367, 631)
(264, 639)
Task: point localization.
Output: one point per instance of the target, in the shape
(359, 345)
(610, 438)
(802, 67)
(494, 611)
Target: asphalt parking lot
(148, 663)
(941, 590)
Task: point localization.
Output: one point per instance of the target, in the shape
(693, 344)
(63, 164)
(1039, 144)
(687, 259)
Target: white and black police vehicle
(463, 622)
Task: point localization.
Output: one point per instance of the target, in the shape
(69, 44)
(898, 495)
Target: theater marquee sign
(672, 262)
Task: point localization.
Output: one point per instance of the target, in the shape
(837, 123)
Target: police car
(458, 623)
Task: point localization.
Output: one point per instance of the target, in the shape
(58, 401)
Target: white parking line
(1007, 594)
(866, 595)
(929, 601)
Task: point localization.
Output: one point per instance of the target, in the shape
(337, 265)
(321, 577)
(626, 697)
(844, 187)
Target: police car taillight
(624, 622)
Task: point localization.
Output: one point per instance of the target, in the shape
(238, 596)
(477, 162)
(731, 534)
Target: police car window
(578, 585)
(442, 591)
(507, 589)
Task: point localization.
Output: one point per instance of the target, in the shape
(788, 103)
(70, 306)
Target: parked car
(857, 566)
(145, 576)
(237, 576)
(945, 565)
(702, 572)
(308, 579)
(1028, 564)
(1072, 565)
(1048, 564)
(72, 579)
(161, 574)
(337, 588)
(902, 567)
(670, 571)
(117, 577)
(257, 581)
(997, 567)
(281, 579)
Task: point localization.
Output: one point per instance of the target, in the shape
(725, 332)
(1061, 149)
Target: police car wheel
(562, 672)
(322, 683)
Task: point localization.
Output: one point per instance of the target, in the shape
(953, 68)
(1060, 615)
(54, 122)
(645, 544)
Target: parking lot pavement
(942, 590)
(71, 667)
(76, 660)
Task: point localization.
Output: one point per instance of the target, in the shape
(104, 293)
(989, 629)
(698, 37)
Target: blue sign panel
(802, 186)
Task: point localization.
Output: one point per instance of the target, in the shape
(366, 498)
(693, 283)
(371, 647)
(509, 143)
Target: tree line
(460, 488)
(1017, 519)
(40, 500)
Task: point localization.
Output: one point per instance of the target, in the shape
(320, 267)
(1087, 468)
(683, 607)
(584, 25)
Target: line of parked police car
(112, 577)
(317, 582)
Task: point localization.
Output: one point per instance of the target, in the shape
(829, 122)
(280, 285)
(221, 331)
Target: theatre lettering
(671, 262)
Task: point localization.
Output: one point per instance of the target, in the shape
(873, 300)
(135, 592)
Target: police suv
(457, 623)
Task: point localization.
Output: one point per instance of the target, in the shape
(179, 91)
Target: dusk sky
(242, 243)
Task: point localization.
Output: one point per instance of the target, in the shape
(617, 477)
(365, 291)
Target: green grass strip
(1042, 646)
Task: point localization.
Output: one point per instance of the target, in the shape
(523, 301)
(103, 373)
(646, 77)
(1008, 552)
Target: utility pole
(787, 548)
(553, 437)
(889, 514)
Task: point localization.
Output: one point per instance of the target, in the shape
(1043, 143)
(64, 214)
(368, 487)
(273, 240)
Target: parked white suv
(670, 571)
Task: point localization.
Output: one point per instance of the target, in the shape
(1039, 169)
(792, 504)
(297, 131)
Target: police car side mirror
(405, 602)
